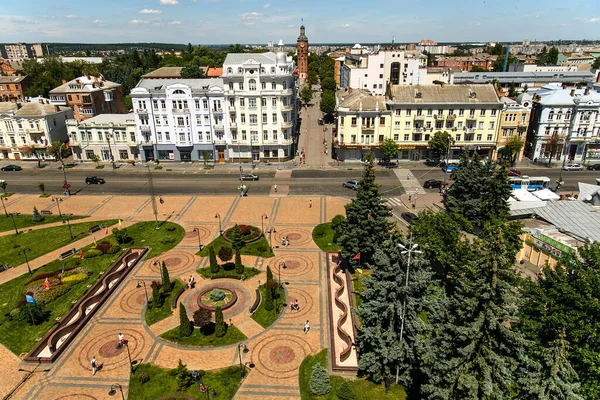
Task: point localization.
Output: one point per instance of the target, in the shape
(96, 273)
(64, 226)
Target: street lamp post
(126, 342)
(281, 266)
(244, 348)
(24, 252)
(113, 390)
(406, 250)
(565, 150)
(447, 156)
(152, 196)
(4, 205)
(271, 231)
(58, 200)
(145, 291)
(262, 222)
(220, 229)
(66, 185)
(199, 242)
(12, 215)
(67, 218)
(112, 157)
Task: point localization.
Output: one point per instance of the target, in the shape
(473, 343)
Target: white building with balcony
(260, 98)
(28, 129)
(181, 119)
(111, 137)
(570, 115)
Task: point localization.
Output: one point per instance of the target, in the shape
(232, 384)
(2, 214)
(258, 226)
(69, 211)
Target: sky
(326, 21)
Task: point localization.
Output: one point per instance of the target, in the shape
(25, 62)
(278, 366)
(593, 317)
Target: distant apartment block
(575, 58)
(432, 47)
(465, 64)
(525, 79)
(89, 96)
(23, 50)
(12, 87)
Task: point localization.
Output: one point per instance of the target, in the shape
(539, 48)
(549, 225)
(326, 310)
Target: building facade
(514, 121)
(23, 51)
(181, 119)
(261, 107)
(111, 137)
(89, 96)
(27, 129)
(465, 64)
(302, 50)
(470, 113)
(569, 117)
(12, 87)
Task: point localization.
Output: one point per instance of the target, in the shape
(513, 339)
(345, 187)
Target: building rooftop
(102, 119)
(267, 58)
(7, 107)
(360, 100)
(523, 77)
(214, 72)
(39, 110)
(157, 85)
(556, 95)
(436, 94)
(12, 79)
(85, 84)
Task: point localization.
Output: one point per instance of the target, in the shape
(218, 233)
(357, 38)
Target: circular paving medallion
(297, 236)
(109, 349)
(102, 345)
(133, 301)
(177, 262)
(172, 261)
(305, 302)
(279, 356)
(76, 396)
(296, 265)
(282, 355)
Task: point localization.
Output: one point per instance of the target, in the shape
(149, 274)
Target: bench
(176, 298)
(256, 302)
(95, 228)
(46, 212)
(68, 253)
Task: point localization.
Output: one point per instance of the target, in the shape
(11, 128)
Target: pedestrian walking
(309, 203)
(275, 188)
(191, 281)
(287, 242)
(94, 365)
(306, 327)
(160, 199)
(121, 340)
(325, 151)
(408, 176)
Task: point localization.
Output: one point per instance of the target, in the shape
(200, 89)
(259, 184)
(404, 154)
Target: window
(284, 85)
(439, 124)
(427, 136)
(234, 136)
(100, 137)
(419, 112)
(380, 76)
(461, 112)
(252, 103)
(273, 85)
(264, 118)
(397, 125)
(396, 137)
(457, 137)
(380, 65)
(408, 113)
(244, 136)
(265, 135)
(374, 86)
(252, 85)
(274, 118)
(197, 104)
(353, 121)
(494, 113)
(381, 121)
(206, 120)
(157, 119)
(489, 137)
(154, 104)
(460, 124)
(241, 85)
(230, 85)
(406, 137)
(492, 124)
(163, 104)
(407, 125)
(472, 113)
(551, 115)
(398, 113)
(243, 118)
(253, 119)
(165, 120)
(479, 137)
(263, 85)
(428, 125)
(263, 102)
(254, 136)
(524, 118)
(450, 112)
(242, 102)
(181, 137)
(274, 102)
(274, 135)
(480, 125)
(482, 112)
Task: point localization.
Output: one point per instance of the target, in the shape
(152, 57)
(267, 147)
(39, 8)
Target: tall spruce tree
(220, 328)
(166, 280)
(381, 351)
(214, 265)
(367, 223)
(485, 357)
(186, 328)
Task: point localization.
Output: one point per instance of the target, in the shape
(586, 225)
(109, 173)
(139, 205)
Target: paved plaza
(276, 353)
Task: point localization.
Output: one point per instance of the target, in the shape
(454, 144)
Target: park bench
(95, 228)
(68, 253)
(256, 302)
(177, 295)
(46, 212)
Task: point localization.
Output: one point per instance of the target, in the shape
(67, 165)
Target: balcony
(368, 129)
(419, 130)
(58, 101)
(146, 143)
(286, 107)
(180, 110)
(471, 118)
(142, 111)
(470, 130)
(144, 128)
(286, 124)
(217, 111)
(419, 117)
(233, 125)
(451, 117)
(219, 127)
(133, 144)
(36, 131)
(74, 143)
(438, 116)
(40, 145)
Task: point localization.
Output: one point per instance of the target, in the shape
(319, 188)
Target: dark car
(409, 217)
(432, 163)
(432, 183)
(352, 184)
(514, 172)
(249, 177)
(12, 168)
(94, 180)
(388, 163)
(594, 167)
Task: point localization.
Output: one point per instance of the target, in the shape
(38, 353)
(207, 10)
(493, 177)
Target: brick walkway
(275, 353)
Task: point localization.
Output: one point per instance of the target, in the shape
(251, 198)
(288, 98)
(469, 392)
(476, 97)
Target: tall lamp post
(412, 248)
(281, 266)
(244, 348)
(152, 196)
(448, 156)
(24, 252)
(112, 157)
(145, 292)
(565, 150)
(220, 229)
(113, 390)
(12, 215)
(197, 231)
(3, 199)
(262, 222)
(66, 185)
(66, 219)
(57, 200)
(271, 231)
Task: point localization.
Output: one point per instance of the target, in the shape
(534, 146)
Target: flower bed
(250, 233)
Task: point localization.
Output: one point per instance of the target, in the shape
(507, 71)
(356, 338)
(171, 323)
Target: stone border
(212, 309)
(254, 239)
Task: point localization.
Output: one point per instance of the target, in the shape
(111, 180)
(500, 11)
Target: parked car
(432, 163)
(409, 217)
(573, 167)
(594, 167)
(249, 177)
(388, 163)
(94, 180)
(450, 168)
(432, 183)
(514, 172)
(12, 168)
(351, 184)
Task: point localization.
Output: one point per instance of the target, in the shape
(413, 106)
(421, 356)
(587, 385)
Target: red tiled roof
(214, 72)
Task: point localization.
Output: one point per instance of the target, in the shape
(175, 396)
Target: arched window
(178, 91)
(230, 70)
(240, 70)
(272, 70)
(551, 115)
(252, 84)
(568, 116)
(262, 70)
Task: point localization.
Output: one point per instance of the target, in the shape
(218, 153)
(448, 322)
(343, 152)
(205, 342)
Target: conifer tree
(186, 328)
(37, 217)
(269, 277)
(214, 265)
(239, 267)
(156, 296)
(220, 328)
(269, 299)
(320, 383)
(166, 280)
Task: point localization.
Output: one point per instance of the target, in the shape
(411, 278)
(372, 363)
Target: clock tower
(302, 50)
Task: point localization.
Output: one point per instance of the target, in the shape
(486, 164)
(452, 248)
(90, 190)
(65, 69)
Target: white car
(573, 167)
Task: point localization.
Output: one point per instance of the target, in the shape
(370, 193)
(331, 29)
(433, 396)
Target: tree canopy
(389, 148)
(440, 143)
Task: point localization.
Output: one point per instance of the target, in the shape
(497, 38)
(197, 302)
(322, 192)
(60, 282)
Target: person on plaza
(296, 305)
(191, 281)
(160, 199)
(121, 339)
(275, 188)
(283, 240)
(94, 365)
(287, 241)
(310, 203)
(306, 327)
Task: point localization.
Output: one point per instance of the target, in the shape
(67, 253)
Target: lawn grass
(364, 390)
(156, 239)
(259, 248)
(264, 317)
(198, 339)
(19, 336)
(155, 314)
(357, 287)
(325, 240)
(42, 241)
(25, 221)
(225, 381)
(228, 270)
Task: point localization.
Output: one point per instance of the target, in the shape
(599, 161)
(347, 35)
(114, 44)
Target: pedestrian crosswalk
(395, 202)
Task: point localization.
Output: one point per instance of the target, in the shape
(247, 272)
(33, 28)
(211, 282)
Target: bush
(103, 247)
(262, 248)
(121, 235)
(75, 278)
(143, 377)
(225, 253)
(268, 299)
(171, 228)
(167, 240)
(91, 253)
(32, 314)
(239, 267)
(320, 384)
(220, 328)
(217, 295)
(186, 328)
(114, 249)
(37, 217)
(214, 265)
(345, 392)
(245, 230)
(319, 231)
(202, 318)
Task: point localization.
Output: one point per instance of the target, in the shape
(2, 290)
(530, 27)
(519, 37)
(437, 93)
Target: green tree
(269, 305)
(475, 68)
(512, 148)
(596, 63)
(167, 286)
(32, 313)
(320, 383)
(367, 223)
(128, 102)
(220, 328)
(96, 159)
(327, 104)
(214, 265)
(42, 187)
(192, 72)
(207, 156)
(496, 50)
(558, 379)
(269, 276)
(306, 94)
(37, 217)
(345, 392)
(498, 65)
(239, 267)
(202, 318)
(554, 145)
(186, 328)
(156, 296)
(225, 253)
(236, 236)
(328, 83)
(57, 149)
(182, 376)
(553, 56)
(389, 148)
(440, 143)
(3, 185)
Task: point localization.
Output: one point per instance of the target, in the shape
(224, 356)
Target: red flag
(81, 254)
(356, 257)
(106, 232)
(46, 284)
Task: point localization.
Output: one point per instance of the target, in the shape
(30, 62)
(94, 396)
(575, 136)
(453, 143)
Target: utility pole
(152, 196)
(66, 185)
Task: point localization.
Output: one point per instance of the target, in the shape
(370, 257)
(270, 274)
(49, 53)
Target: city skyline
(250, 21)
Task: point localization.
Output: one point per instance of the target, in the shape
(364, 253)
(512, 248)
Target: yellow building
(470, 113)
(363, 123)
(513, 122)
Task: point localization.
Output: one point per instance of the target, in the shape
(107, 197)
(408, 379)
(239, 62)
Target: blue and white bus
(530, 183)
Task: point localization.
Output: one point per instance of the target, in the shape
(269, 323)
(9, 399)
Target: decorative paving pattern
(243, 298)
(297, 265)
(305, 302)
(110, 349)
(113, 359)
(76, 396)
(133, 301)
(191, 237)
(177, 262)
(297, 236)
(279, 356)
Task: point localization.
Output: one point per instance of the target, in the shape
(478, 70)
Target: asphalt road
(302, 181)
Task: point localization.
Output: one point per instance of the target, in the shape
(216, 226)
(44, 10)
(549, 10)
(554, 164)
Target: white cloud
(149, 11)
(251, 17)
(71, 16)
(174, 22)
(168, 2)
(267, 5)
(97, 21)
(478, 24)
(592, 20)
(139, 21)
(346, 26)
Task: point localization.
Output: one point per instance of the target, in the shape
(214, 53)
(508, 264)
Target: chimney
(64, 81)
(587, 91)
(57, 108)
(572, 92)
(41, 101)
